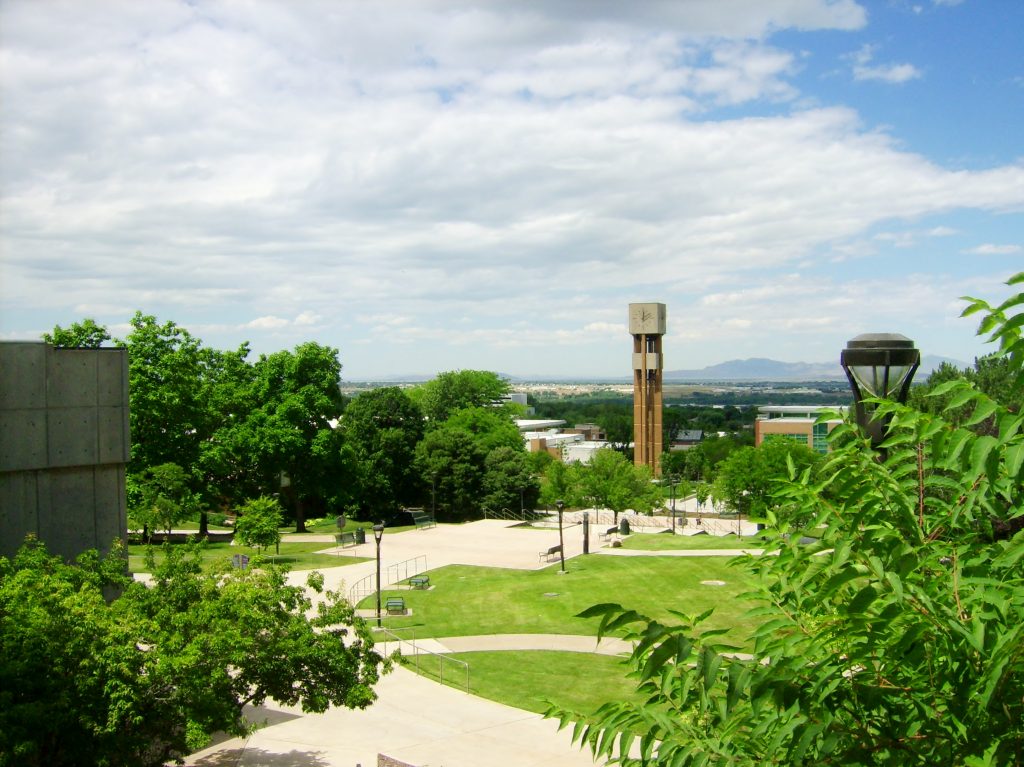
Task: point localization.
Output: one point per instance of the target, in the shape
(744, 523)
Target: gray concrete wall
(63, 446)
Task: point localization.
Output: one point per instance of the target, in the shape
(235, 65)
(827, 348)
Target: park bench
(609, 532)
(346, 539)
(422, 518)
(395, 606)
(547, 556)
(420, 581)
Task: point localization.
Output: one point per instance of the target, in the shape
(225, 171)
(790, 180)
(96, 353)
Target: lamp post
(560, 505)
(673, 480)
(879, 365)
(378, 533)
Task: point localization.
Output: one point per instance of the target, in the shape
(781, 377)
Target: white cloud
(990, 249)
(267, 323)
(484, 174)
(864, 68)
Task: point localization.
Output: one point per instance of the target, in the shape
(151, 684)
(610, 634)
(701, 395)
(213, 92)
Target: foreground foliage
(897, 639)
(149, 676)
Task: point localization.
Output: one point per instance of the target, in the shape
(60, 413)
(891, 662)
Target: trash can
(623, 526)
(360, 535)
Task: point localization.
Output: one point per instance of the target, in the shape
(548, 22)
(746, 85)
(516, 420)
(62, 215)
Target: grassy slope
(296, 556)
(534, 679)
(466, 600)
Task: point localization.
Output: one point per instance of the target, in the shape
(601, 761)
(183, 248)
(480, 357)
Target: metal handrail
(366, 586)
(417, 650)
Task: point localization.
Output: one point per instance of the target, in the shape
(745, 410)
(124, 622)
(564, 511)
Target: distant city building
(684, 439)
(647, 324)
(519, 398)
(567, 445)
(63, 447)
(796, 422)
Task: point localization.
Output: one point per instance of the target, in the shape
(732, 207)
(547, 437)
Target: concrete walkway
(415, 720)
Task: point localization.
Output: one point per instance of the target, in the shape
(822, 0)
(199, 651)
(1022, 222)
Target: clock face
(646, 318)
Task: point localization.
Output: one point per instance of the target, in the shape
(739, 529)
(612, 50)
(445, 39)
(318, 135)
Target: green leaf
(980, 452)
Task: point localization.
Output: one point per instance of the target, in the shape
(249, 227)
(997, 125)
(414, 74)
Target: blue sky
(431, 185)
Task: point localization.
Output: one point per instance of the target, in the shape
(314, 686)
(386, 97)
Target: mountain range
(750, 369)
(763, 369)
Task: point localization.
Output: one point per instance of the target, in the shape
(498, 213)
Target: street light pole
(560, 505)
(378, 533)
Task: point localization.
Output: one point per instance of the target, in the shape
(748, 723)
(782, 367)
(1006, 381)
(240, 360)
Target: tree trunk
(300, 514)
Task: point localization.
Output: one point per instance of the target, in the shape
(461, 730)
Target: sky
(432, 185)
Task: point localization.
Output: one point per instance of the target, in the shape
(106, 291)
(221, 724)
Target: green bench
(420, 581)
(547, 556)
(395, 606)
(345, 539)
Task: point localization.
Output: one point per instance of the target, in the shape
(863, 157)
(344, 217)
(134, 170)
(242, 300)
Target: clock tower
(647, 324)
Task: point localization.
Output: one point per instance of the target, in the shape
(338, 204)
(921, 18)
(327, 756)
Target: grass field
(464, 600)
(296, 556)
(666, 542)
(534, 679)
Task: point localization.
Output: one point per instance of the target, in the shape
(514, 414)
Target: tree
(617, 484)
(259, 523)
(746, 480)
(149, 676)
(452, 456)
(674, 462)
(164, 498)
(561, 483)
(456, 390)
(895, 640)
(452, 462)
(508, 482)
(289, 432)
(166, 412)
(80, 335)
(383, 427)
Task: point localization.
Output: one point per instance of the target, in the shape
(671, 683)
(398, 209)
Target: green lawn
(465, 600)
(534, 679)
(192, 524)
(668, 542)
(295, 556)
(329, 526)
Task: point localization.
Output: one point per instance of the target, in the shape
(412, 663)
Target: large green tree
(747, 479)
(167, 415)
(452, 457)
(383, 426)
(456, 390)
(509, 482)
(613, 482)
(181, 395)
(290, 431)
(896, 639)
(149, 676)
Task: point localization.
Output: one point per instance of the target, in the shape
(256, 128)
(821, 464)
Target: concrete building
(797, 422)
(647, 324)
(63, 446)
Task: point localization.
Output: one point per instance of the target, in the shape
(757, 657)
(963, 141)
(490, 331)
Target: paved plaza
(415, 720)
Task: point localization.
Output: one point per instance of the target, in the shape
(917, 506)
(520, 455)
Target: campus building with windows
(796, 422)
